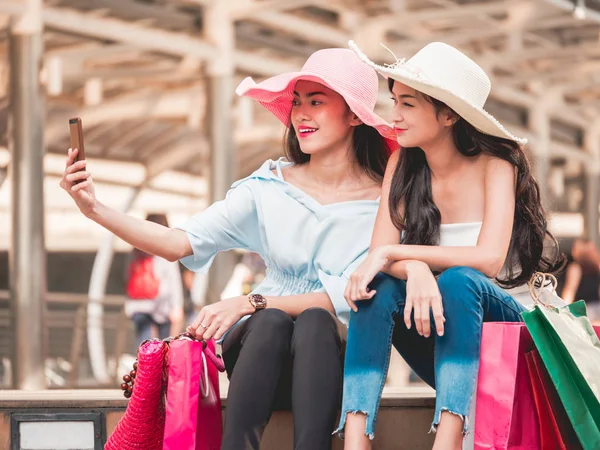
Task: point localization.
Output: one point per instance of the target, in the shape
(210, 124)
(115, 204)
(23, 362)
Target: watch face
(258, 301)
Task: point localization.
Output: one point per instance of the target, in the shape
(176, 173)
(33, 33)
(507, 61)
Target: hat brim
(476, 116)
(277, 93)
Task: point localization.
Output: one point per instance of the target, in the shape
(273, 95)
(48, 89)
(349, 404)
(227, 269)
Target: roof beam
(569, 72)
(255, 63)
(13, 7)
(567, 52)
(193, 145)
(251, 7)
(174, 104)
(291, 24)
(89, 50)
(152, 39)
(568, 5)
(430, 14)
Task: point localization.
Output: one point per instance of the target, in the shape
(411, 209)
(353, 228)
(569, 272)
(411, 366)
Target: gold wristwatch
(258, 301)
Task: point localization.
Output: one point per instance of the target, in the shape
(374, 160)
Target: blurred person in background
(310, 219)
(194, 291)
(154, 292)
(582, 280)
(189, 311)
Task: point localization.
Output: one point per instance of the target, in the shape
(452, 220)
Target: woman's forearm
(150, 237)
(441, 258)
(400, 269)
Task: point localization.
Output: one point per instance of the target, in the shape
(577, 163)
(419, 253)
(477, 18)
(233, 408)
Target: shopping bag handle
(204, 389)
(537, 282)
(216, 360)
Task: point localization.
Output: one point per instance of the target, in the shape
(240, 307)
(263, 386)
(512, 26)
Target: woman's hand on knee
(423, 295)
(358, 284)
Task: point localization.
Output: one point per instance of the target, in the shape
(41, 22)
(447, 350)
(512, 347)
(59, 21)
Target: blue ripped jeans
(469, 299)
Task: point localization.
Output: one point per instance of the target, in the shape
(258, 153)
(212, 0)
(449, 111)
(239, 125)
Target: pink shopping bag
(193, 404)
(506, 416)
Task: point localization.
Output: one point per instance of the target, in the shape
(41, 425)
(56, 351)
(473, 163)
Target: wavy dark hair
(532, 247)
(370, 149)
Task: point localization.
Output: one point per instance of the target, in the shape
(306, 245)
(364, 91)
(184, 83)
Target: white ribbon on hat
(401, 64)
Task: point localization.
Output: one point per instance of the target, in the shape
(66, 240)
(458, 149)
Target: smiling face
(416, 121)
(321, 118)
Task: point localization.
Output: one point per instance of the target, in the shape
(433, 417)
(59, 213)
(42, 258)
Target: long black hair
(532, 247)
(370, 149)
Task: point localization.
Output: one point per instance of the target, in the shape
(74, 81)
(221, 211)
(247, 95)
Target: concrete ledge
(403, 420)
(113, 398)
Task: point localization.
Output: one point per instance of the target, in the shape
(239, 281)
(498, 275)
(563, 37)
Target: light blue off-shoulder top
(307, 247)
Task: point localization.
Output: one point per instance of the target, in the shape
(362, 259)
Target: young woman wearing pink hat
(458, 201)
(310, 219)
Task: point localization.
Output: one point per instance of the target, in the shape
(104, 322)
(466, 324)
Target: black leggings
(277, 363)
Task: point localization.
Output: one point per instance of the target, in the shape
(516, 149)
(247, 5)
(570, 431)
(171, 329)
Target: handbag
(146, 386)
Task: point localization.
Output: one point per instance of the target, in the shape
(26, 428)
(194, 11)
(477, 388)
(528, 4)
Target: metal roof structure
(134, 69)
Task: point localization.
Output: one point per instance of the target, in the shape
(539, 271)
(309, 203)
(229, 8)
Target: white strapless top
(466, 235)
(460, 234)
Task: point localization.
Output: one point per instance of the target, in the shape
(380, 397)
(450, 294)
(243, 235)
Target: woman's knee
(457, 278)
(271, 326)
(315, 322)
(454, 283)
(390, 291)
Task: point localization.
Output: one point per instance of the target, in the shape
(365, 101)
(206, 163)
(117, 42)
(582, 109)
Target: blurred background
(153, 82)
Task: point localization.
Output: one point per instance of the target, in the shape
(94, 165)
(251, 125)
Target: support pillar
(592, 183)
(219, 31)
(26, 144)
(3, 174)
(539, 122)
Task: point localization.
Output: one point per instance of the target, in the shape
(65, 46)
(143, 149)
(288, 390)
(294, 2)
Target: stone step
(403, 420)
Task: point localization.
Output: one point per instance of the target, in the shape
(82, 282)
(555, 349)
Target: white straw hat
(448, 75)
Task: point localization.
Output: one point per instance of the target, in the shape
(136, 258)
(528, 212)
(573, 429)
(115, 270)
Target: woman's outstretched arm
(170, 244)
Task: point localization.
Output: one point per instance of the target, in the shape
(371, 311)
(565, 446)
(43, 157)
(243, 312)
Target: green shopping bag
(570, 350)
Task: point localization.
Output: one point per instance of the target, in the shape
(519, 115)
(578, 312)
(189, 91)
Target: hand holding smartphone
(76, 180)
(76, 135)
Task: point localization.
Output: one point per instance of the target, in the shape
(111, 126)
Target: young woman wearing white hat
(309, 219)
(458, 199)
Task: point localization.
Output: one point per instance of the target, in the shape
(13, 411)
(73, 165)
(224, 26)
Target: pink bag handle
(216, 360)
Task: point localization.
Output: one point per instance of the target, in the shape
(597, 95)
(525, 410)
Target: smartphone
(76, 133)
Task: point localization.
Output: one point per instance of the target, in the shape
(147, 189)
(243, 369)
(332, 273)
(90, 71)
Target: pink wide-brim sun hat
(342, 71)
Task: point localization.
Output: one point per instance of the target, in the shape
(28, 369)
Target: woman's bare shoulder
(495, 166)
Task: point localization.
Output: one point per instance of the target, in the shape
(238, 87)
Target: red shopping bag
(141, 427)
(505, 417)
(193, 404)
(556, 431)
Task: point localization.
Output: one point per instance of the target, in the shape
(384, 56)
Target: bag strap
(216, 360)
(536, 284)
(206, 352)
